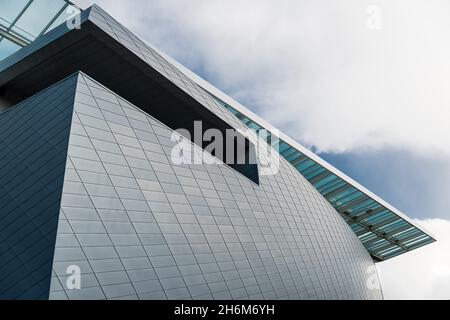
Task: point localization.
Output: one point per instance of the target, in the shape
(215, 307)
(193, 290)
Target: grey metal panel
(33, 142)
(191, 231)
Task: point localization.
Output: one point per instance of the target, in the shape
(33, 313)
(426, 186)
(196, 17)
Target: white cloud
(423, 273)
(313, 68)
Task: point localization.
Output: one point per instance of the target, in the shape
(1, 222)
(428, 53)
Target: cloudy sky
(364, 83)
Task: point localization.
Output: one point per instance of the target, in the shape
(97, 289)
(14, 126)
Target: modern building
(93, 205)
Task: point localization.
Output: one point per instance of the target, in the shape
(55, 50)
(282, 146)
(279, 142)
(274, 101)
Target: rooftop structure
(22, 21)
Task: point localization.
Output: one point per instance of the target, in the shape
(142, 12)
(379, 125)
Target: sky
(366, 84)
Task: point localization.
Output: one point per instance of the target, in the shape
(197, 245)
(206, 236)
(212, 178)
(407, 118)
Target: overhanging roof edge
(239, 107)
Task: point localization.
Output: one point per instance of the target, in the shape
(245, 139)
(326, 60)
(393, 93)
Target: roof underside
(383, 230)
(22, 21)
